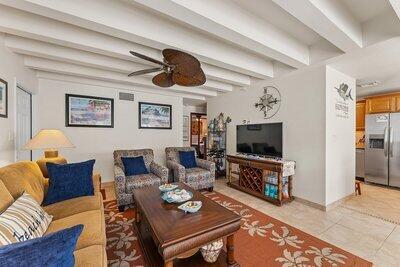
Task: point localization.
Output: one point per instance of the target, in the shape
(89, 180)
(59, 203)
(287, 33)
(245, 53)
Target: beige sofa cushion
(92, 256)
(97, 183)
(6, 198)
(24, 176)
(93, 231)
(74, 206)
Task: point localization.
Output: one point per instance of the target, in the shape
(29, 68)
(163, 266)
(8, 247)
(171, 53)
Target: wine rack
(253, 178)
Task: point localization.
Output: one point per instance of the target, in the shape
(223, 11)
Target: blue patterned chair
(124, 185)
(201, 177)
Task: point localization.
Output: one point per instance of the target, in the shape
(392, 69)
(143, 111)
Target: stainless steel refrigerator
(382, 149)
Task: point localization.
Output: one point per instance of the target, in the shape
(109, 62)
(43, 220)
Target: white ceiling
(272, 13)
(364, 10)
(379, 62)
(237, 42)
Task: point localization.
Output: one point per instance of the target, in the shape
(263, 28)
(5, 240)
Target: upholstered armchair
(124, 185)
(200, 177)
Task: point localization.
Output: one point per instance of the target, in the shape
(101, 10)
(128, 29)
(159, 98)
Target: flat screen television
(259, 139)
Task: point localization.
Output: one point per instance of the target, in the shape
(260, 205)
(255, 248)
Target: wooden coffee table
(169, 236)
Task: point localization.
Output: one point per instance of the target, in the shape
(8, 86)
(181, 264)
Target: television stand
(267, 178)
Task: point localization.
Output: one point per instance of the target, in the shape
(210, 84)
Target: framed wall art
(89, 111)
(3, 98)
(155, 116)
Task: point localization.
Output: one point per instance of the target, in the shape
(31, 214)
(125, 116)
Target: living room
(243, 112)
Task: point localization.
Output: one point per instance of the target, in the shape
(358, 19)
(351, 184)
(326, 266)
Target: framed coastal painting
(155, 116)
(89, 111)
(3, 98)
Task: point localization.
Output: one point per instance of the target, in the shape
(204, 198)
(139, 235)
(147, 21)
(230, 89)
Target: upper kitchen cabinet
(397, 102)
(381, 104)
(360, 115)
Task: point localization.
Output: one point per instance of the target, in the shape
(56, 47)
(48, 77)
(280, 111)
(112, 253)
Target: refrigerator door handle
(385, 141)
(391, 135)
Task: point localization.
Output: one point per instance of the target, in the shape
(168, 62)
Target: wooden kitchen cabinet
(381, 104)
(397, 103)
(360, 115)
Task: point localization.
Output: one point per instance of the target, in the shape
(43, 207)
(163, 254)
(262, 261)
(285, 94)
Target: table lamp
(50, 140)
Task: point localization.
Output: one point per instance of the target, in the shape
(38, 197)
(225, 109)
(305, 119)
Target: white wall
(11, 70)
(340, 139)
(321, 143)
(99, 143)
(303, 117)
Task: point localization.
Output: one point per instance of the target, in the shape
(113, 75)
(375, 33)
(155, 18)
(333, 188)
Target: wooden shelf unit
(252, 177)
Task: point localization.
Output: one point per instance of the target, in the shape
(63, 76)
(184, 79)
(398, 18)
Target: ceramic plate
(177, 196)
(191, 206)
(167, 187)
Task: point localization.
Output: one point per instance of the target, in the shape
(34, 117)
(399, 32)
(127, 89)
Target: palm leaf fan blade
(163, 80)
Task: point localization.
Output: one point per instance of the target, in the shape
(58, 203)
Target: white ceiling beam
(128, 22)
(113, 85)
(35, 48)
(328, 18)
(225, 75)
(27, 25)
(396, 6)
(98, 74)
(230, 22)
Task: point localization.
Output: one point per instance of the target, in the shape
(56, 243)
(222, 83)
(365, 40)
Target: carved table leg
(230, 249)
(137, 215)
(168, 263)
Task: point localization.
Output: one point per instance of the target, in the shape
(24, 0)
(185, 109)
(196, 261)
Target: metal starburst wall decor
(269, 102)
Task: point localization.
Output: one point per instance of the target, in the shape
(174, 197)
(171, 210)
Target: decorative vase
(220, 123)
(211, 126)
(211, 251)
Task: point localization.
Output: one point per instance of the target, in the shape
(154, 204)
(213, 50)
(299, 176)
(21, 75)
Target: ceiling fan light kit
(177, 68)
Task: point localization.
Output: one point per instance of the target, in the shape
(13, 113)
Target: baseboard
(310, 203)
(322, 207)
(338, 202)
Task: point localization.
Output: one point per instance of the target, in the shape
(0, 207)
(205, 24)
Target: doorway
(198, 133)
(23, 123)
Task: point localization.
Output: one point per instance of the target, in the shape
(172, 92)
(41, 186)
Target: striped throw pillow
(23, 220)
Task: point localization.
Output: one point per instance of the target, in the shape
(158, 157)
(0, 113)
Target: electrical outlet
(10, 135)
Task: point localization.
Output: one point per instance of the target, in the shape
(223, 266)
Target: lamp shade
(49, 139)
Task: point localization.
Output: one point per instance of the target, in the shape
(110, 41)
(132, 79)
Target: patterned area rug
(261, 241)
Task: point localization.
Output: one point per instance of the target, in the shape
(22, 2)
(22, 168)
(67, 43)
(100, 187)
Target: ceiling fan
(177, 68)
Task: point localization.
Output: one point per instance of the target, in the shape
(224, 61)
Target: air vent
(370, 84)
(126, 96)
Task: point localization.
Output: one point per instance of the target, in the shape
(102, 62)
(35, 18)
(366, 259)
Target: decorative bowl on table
(211, 251)
(177, 196)
(167, 187)
(191, 206)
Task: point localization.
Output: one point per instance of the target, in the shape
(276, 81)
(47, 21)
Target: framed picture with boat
(155, 116)
(3, 98)
(89, 111)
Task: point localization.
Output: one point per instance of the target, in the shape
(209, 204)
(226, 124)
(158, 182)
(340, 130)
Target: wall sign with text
(343, 100)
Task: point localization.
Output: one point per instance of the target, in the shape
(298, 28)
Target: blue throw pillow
(134, 166)
(53, 250)
(188, 159)
(69, 181)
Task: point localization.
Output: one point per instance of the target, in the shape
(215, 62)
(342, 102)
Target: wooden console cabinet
(252, 177)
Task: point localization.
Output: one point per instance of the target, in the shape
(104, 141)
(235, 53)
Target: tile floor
(363, 235)
(379, 201)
